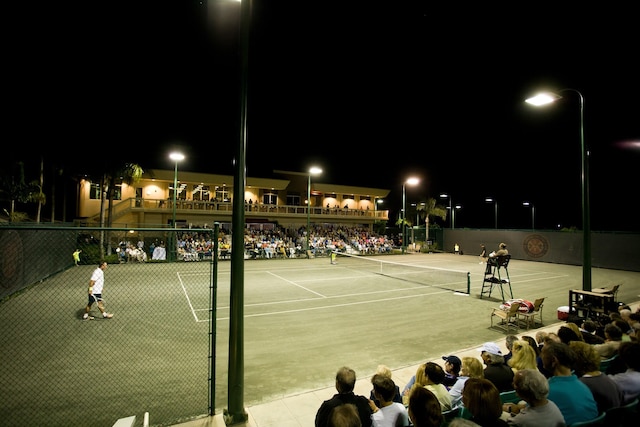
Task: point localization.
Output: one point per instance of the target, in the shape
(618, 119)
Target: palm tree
(14, 189)
(39, 196)
(127, 173)
(431, 208)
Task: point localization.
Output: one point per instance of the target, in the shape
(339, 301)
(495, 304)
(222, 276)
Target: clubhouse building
(202, 199)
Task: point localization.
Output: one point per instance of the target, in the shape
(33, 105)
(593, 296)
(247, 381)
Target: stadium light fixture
(410, 181)
(544, 99)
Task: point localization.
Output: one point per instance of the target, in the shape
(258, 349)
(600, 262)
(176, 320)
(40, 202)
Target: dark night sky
(372, 92)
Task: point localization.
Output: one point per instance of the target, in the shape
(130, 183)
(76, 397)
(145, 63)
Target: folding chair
(508, 318)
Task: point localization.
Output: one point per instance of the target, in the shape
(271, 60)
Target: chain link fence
(155, 355)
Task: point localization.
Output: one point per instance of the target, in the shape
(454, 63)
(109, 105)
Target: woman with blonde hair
(524, 357)
(471, 368)
(420, 380)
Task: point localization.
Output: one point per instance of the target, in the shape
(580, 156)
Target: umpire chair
(492, 276)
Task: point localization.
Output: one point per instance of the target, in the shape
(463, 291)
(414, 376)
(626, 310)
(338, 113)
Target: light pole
(546, 98)
(451, 211)
(375, 207)
(495, 208)
(312, 171)
(453, 217)
(533, 214)
(176, 157)
(410, 181)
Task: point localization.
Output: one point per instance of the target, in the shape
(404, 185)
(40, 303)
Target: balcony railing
(255, 209)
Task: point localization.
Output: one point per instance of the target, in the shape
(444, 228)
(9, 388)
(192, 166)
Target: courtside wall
(619, 251)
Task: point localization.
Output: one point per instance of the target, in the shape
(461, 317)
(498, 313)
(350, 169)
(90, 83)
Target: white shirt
(98, 278)
(394, 415)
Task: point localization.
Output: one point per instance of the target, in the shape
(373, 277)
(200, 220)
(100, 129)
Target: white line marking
(295, 284)
(186, 295)
(334, 306)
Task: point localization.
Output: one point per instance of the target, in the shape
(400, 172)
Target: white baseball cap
(491, 348)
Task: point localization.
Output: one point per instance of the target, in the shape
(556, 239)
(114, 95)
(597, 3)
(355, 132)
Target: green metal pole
(586, 216)
(213, 326)
(173, 241)
(235, 413)
(308, 210)
(404, 215)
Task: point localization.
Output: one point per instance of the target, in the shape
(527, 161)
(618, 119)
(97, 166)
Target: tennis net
(453, 280)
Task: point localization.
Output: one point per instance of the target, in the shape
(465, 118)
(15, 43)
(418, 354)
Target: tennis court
(303, 319)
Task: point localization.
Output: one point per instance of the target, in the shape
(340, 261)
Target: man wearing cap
(496, 371)
(452, 365)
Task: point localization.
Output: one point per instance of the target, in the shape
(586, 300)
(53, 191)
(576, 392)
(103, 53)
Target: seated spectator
(613, 338)
(345, 416)
(496, 370)
(430, 375)
(573, 398)
(541, 337)
(587, 368)
(575, 328)
(566, 335)
(524, 357)
(452, 365)
(508, 342)
(482, 399)
(533, 343)
(386, 372)
(434, 375)
(533, 388)
(389, 413)
(629, 380)
(471, 368)
(418, 380)
(424, 408)
(624, 327)
(552, 336)
(588, 329)
(625, 314)
(345, 382)
(452, 369)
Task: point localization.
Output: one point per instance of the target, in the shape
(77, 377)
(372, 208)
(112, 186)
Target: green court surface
(303, 318)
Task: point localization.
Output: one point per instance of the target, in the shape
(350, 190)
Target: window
(201, 192)
(182, 194)
(222, 194)
(95, 190)
(270, 199)
(293, 199)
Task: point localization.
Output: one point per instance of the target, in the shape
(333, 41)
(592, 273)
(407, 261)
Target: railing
(250, 209)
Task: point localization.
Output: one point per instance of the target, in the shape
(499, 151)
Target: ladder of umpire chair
(490, 279)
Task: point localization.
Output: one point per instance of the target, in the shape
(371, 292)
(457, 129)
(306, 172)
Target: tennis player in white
(96, 284)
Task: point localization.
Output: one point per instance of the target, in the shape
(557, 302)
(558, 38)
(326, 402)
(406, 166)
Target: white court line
(295, 284)
(186, 295)
(274, 313)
